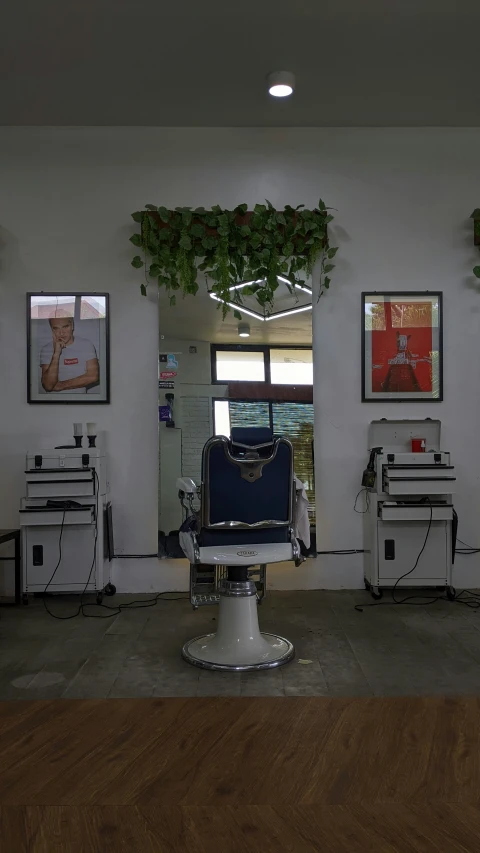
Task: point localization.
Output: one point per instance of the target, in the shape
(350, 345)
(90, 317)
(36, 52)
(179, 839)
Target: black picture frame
(36, 334)
(435, 395)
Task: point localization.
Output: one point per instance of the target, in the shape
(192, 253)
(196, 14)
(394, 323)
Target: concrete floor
(383, 651)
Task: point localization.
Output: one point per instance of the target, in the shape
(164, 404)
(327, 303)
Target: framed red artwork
(402, 351)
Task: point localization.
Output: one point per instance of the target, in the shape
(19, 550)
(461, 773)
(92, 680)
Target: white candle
(91, 429)
(78, 429)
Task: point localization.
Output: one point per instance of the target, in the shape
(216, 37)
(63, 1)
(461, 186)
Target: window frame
(263, 348)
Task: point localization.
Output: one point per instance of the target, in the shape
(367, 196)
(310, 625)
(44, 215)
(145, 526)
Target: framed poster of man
(402, 350)
(68, 348)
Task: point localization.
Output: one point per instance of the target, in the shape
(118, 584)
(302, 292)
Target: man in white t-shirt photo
(68, 363)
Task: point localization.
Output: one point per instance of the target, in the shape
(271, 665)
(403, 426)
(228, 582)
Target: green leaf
(143, 290)
(245, 230)
(136, 239)
(260, 208)
(299, 206)
(164, 234)
(269, 204)
(154, 270)
(321, 205)
(199, 210)
(287, 250)
(328, 218)
(137, 216)
(237, 315)
(248, 290)
(241, 209)
(475, 214)
(150, 207)
(185, 242)
(173, 301)
(328, 267)
(197, 230)
(280, 217)
(187, 217)
(326, 282)
(332, 252)
(209, 242)
(476, 271)
(137, 262)
(216, 209)
(164, 214)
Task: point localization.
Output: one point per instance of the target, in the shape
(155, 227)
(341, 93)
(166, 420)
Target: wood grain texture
(273, 775)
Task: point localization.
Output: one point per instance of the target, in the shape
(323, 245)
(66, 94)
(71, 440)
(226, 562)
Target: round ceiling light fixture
(243, 330)
(281, 83)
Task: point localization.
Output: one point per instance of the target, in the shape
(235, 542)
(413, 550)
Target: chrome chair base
(207, 653)
(238, 645)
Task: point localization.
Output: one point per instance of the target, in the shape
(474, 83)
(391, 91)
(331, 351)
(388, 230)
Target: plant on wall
(476, 235)
(231, 246)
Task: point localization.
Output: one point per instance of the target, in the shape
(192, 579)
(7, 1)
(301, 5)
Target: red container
(418, 445)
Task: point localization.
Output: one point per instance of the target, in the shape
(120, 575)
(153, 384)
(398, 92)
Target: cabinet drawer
(60, 484)
(51, 517)
(415, 512)
(420, 486)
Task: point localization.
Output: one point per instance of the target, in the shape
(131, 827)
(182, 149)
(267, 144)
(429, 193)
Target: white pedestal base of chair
(238, 644)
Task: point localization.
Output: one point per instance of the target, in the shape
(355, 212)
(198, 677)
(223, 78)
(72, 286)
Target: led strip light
(261, 317)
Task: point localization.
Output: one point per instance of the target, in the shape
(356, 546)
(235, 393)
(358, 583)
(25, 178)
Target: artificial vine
(476, 235)
(231, 246)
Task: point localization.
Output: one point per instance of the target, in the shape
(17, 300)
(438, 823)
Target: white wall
(403, 198)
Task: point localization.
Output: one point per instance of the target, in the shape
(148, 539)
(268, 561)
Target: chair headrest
(252, 436)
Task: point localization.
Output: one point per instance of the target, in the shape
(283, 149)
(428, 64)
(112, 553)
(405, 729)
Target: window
(295, 421)
(273, 365)
(291, 366)
(291, 420)
(243, 366)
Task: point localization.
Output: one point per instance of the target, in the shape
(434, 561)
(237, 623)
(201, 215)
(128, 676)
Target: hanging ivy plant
(476, 235)
(231, 246)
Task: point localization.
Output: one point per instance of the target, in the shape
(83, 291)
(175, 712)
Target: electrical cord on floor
(409, 599)
(467, 550)
(55, 572)
(342, 553)
(117, 609)
(81, 605)
(422, 549)
(133, 556)
(466, 597)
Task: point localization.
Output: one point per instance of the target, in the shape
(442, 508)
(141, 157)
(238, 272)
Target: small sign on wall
(169, 359)
(164, 413)
(166, 385)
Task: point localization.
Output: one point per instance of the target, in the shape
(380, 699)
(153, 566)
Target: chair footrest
(246, 555)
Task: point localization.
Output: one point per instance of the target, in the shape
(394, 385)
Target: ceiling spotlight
(243, 330)
(281, 83)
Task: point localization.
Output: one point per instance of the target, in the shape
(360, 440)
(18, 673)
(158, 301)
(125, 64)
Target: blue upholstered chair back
(229, 497)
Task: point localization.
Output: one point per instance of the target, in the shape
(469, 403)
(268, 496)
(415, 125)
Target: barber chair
(245, 519)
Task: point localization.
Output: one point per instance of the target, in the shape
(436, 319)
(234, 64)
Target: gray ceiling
(192, 63)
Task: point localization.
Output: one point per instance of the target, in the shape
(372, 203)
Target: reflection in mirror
(210, 380)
